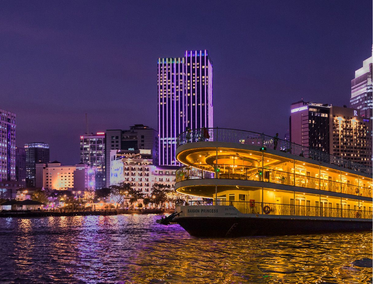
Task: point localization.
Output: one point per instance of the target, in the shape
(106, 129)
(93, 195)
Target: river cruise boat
(252, 184)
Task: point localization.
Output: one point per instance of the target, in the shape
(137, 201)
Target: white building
(138, 137)
(138, 170)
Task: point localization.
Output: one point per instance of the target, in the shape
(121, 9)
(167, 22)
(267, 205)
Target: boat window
(241, 197)
(231, 197)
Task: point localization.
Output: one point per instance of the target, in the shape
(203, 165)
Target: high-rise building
(139, 136)
(92, 154)
(361, 89)
(7, 146)
(310, 125)
(350, 136)
(21, 166)
(338, 131)
(185, 99)
(36, 152)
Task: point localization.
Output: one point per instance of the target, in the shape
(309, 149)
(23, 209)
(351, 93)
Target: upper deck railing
(357, 187)
(270, 142)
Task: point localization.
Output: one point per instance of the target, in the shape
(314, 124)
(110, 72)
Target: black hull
(214, 227)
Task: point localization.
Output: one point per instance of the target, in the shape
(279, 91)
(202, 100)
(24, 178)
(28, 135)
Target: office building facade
(185, 99)
(350, 136)
(339, 131)
(310, 125)
(92, 154)
(361, 89)
(36, 152)
(138, 137)
(7, 146)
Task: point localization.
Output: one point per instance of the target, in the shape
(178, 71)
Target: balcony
(268, 142)
(275, 177)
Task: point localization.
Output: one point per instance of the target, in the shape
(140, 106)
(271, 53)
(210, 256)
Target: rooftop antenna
(86, 124)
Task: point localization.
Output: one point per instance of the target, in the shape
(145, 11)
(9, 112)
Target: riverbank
(48, 213)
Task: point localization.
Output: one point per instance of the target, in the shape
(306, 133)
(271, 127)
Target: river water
(135, 249)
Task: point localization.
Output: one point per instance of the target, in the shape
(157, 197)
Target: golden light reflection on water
(25, 225)
(289, 259)
(134, 249)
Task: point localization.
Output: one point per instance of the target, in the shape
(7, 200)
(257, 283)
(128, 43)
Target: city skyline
(61, 61)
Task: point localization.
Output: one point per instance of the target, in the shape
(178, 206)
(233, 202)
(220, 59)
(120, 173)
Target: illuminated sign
(100, 133)
(299, 109)
(116, 172)
(355, 112)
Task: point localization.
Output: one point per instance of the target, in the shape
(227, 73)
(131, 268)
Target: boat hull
(217, 227)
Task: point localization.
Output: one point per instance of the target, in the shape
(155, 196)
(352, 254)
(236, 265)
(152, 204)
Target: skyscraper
(361, 89)
(36, 152)
(184, 99)
(7, 145)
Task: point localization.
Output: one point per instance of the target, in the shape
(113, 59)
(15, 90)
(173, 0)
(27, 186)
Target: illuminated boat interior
(243, 175)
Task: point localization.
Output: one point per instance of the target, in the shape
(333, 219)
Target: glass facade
(184, 99)
(92, 154)
(362, 88)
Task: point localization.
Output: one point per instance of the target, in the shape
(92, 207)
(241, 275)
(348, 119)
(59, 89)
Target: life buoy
(266, 209)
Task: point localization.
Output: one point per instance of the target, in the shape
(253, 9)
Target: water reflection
(134, 249)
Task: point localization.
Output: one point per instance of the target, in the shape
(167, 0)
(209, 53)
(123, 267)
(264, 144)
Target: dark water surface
(134, 249)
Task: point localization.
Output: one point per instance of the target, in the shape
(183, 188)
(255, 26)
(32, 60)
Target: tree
(124, 191)
(40, 195)
(146, 201)
(72, 202)
(159, 193)
(115, 194)
(102, 193)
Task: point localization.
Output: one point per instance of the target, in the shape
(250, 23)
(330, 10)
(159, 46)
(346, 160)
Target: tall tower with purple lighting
(184, 99)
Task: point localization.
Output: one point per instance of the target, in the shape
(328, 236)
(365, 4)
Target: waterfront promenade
(63, 212)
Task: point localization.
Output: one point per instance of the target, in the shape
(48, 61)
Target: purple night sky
(62, 59)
